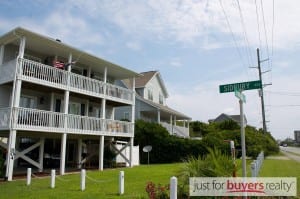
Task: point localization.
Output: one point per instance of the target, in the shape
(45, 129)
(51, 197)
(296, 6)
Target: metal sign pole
(243, 139)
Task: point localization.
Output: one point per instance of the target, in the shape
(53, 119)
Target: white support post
(41, 154)
(63, 153)
(28, 180)
(10, 157)
(158, 116)
(52, 182)
(101, 152)
(175, 123)
(1, 54)
(52, 101)
(89, 71)
(87, 104)
(121, 183)
(244, 172)
(131, 152)
(82, 179)
(79, 154)
(173, 188)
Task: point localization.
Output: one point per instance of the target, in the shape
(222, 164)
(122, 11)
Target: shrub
(157, 192)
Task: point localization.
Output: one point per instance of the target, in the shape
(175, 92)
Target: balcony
(47, 75)
(47, 121)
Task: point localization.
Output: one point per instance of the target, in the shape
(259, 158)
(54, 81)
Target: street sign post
(240, 96)
(238, 88)
(226, 88)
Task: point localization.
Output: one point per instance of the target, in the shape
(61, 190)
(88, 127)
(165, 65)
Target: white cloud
(133, 45)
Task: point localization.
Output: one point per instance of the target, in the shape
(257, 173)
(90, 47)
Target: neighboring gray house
(150, 104)
(55, 113)
(223, 117)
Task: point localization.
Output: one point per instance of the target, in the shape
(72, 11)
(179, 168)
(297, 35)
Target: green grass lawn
(281, 168)
(103, 184)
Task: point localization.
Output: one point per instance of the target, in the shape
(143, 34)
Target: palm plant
(214, 164)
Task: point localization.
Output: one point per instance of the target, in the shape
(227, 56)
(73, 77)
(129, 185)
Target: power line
(264, 23)
(285, 105)
(292, 94)
(245, 34)
(258, 28)
(231, 32)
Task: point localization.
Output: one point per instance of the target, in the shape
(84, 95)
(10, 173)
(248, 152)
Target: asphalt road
(291, 152)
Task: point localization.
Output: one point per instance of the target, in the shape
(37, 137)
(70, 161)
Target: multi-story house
(57, 104)
(150, 104)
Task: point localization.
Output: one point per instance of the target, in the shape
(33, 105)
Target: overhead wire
(245, 34)
(258, 27)
(232, 34)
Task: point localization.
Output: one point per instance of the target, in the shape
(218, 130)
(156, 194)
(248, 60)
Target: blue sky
(192, 45)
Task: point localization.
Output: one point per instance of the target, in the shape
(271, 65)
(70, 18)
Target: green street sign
(240, 86)
(240, 96)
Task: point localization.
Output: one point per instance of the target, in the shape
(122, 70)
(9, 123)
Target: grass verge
(98, 184)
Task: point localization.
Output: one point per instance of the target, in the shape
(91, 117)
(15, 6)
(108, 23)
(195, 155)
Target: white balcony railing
(50, 76)
(33, 119)
(176, 130)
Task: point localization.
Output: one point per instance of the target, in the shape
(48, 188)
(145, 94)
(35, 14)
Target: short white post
(28, 182)
(82, 179)
(253, 169)
(52, 182)
(121, 182)
(173, 188)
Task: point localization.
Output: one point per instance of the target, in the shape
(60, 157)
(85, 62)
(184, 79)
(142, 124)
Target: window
(161, 98)
(150, 94)
(126, 116)
(28, 102)
(74, 108)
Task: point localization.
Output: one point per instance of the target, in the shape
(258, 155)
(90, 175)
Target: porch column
(158, 116)
(131, 152)
(15, 104)
(1, 54)
(79, 154)
(63, 153)
(174, 120)
(171, 124)
(52, 100)
(89, 71)
(87, 104)
(101, 152)
(41, 154)
(103, 102)
(10, 154)
(133, 105)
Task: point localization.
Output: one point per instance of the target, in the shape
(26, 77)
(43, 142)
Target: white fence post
(253, 169)
(82, 179)
(173, 188)
(121, 182)
(28, 182)
(52, 182)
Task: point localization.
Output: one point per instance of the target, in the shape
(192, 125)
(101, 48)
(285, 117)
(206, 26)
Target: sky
(196, 45)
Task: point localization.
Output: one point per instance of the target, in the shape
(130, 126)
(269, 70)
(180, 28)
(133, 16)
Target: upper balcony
(46, 121)
(46, 75)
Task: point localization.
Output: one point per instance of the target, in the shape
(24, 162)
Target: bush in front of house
(166, 148)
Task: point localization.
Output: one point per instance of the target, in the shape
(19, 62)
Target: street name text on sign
(240, 86)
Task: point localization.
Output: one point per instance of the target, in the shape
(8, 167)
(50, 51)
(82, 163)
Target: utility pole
(261, 93)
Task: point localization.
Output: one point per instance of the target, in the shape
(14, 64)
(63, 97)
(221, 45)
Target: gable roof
(179, 116)
(144, 78)
(223, 117)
